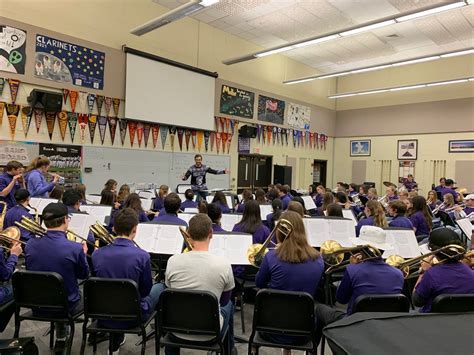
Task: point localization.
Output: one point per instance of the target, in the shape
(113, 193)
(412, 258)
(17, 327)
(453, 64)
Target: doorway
(320, 172)
(255, 171)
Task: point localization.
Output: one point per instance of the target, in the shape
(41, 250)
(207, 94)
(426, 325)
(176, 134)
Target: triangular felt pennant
(227, 124)
(316, 140)
(50, 118)
(132, 127)
(123, 124)
(222, 119)
(274, 134)
(116, 103)
(311, 137)
(264, 134)
(193, 138)
(155, 131)
(146, 133)
(295, 138)
(200, 138)
(26, 119)
(216, 120)
(83, 119)
(107, 104)
(14, 85)
(269, 134)
(206, 135)
(224, 141)
(112, 128)
(13, 111)
(172, 134)
(2, 107)
(38, 118)
(62, 120)
(212, 138)
(280, 134)
(73, 95)
(102, 122)
(229, 140)
(218, 141)
(306, 138)
(163, 134)
(72, 123)
(232, 125)
(180, 138)
(259, 132)
(287, 135)
(90, 102)
(100, 101)
(140, 133)
(236, 125)
(187, 134)
(65, 95)
(324, 139)
(2, 85)
(92, 125)
(82, 100)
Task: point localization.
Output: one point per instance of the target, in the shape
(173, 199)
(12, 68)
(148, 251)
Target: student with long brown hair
(420, 216)
(160, 199)
(123, 193)
(375, 216)
(220, 199)
(134, 202)
(328, 198)
(35, 180)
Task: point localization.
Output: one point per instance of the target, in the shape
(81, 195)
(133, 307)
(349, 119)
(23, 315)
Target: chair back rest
(284, 312)
(40, 290)
(451, 303)
(188, 312)
(112, 299)
(382, 303)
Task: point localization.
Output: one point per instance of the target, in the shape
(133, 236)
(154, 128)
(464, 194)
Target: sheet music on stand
(192, 210)
(229, 220)
(232, 246)
(186, 216)
(147, 203)
(80, 224)
(159, 238)
(320, 229)
(265, 210)
(404, 243)
(93, 198)
(309, 202)
(466, 226)
(348, 213)
(99, 211)
(40, 203)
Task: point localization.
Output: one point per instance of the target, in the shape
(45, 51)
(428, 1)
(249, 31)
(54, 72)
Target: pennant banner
(206, 140)
(132, 127)
(269, 134)
(92, 126)
(72, 123)
(229, 140)
(50, 118)
(82, 100)
(275, 134)
(102, 122)
(187, 133)
(83, 120)
(172, 134)
(90, 102)
(107, 104)
(155, 131)
(12, 112)
(140, 133)
(25, 119)
(193, 138)
(123, 123)
(2, 85)
(65, 95)
(218, 141)
(180, 138)
(112, 128)
(224, 141)
(222, 120)
(146, 133)
(164, 134)
(212, 138)
(264, 134)
(2, 107)
(316, 140)
(62, 121)
(116, 103)
(232, 125)
(200, 139)
(38, 118)
(100, 101)
(14, 85)
(73, 95)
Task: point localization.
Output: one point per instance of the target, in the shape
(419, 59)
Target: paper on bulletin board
(12, 49)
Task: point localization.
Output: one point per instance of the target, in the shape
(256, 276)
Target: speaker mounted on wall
(248, 131)
(45, 100)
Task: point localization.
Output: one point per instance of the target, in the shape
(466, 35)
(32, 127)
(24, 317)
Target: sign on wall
(12, 49)
(236, 102)
(69, 63)
(298, 116)
(270, 109)
(66, 160)
(12, 151)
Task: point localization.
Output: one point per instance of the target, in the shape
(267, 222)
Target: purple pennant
(232, 126)
(102, 122)
(180, 138)
(164, 134)
(307, 138)
(264, 134)
(259, 132)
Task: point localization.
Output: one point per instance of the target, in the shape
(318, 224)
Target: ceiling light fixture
(381, 66)
(368, 26)
(400, 88)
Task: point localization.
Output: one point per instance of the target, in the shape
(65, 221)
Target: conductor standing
(198, 176)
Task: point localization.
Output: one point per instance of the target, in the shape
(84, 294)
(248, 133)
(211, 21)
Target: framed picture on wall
(461, 146)
(407, 149)
(360, 148)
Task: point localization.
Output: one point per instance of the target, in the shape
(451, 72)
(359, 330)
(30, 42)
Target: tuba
(187, 240)
(4, 213)
(256, 252)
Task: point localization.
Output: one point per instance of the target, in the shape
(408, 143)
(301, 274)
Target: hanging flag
(216, 120)
(227, 124)
(229, 140)
(236, 125)
(212, 139)
(65, 95)
(307, 138)
(164, 134)
(180, 138)
(72, 122)
(50, 118)
(123, 124)
(155, 131)
(14, 85)
(259, 132)
(2, 107)
(224, 141)
(140, 133)
(2, 85)
(73, 95)
(280, 134)
(132, 127)
(12, 112)
(187, 134)
(102, 122)
(232, 125)
(62, 121)
(287, 134)
(107, 104)
(146, 133)
(264, 134)
(92, 126)
(83, 120)
(193, 138)
(38, 118)
(82, 100)
(218, 141)
(316, 140)
(222, 120)
(112, 128)
(172, 135)
(100, 101)
(311, 137)
(269, 134)
(206, 135)
(25, 119)
(116, 103)
(324, 139)
(275, 134)
(90, 102)
(200, 138)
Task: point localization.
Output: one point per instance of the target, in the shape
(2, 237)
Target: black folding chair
(452, 303)
(243, 284)
(113, 300)
(190, 313)
(45, 293)
(283, 313)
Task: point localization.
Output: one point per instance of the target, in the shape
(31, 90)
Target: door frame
(252, 187)
(324, 171)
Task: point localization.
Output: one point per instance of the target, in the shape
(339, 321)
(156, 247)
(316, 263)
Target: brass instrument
(4, 212)
(31, 226)
(333, 254)
(187, 240)
(383, 201)
(37, 219)
(10, 236)
(101, 233)
(411, 267)
(256, 252)
(72, 236)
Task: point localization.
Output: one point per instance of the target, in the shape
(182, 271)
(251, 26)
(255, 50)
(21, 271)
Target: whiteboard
(146, 166)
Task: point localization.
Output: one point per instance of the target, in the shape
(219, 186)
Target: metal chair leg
(17, 326)
(242, 313)
(71, 337)
(51, 335)
(84, 337)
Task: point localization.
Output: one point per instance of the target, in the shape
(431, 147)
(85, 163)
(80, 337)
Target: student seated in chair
(201, 271)
(16, 213)
(215, 214)
(397, 209)
(172, 205)
(189, 202)
(450, 276)
(123, 260)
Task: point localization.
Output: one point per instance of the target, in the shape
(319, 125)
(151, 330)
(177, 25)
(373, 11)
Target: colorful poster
(270, 109)
(69, 63)
(12, 49)
(66, 160)
(236, 102)
(298, 116)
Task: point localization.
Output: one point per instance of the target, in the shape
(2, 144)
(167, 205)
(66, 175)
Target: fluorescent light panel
(432, 11)
(367, 28)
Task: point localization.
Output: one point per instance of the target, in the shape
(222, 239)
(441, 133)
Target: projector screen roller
(163, 93)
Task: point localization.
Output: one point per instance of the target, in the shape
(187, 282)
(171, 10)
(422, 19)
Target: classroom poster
(236, 102)
(69, 63)
(298, 116)
(66, 160)
(270, 109)
(12, 49)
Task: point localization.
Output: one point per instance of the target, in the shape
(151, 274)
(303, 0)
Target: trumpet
(187, 240)
(256, 252)
(333, 254)
(101, 233)
(411, 267)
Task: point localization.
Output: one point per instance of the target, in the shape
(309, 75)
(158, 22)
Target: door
(254, 172)
(319, 172)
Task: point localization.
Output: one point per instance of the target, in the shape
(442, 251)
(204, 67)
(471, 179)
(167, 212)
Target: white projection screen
(163, 93)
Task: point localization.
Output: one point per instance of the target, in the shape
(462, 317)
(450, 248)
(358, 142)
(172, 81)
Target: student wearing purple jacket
(16, 213)
(221, 201)
(188, 203)
(160, 199)
(215, 214)
(10, 182)
(246, 196)
(448, 189)
(397, 210)
(284, 196)
(172, 205)
(420, 216)
(375, 216)
(35, 180)
(271, 218)
(449, 277)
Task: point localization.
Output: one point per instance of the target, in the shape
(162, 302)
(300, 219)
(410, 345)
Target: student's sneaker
(116, 352)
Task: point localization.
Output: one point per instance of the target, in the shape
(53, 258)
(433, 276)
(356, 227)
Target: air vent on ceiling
(393, 36)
